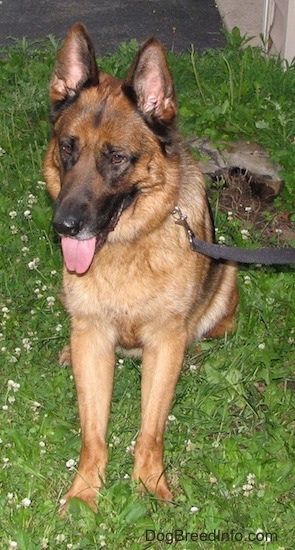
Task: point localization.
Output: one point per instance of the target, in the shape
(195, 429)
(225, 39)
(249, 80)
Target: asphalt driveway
(177, 23)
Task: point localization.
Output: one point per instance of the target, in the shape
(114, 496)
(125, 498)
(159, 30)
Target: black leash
(265, 256)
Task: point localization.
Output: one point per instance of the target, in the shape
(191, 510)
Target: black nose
(69, 225)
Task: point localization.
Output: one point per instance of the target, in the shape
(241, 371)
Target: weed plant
(229, 440)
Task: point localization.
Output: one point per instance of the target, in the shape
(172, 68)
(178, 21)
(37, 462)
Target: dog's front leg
(162, 363)
(93, 361)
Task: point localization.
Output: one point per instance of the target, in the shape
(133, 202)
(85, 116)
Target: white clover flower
(213, 480)
(102, 541)
(71, 463)
(12, 545)
(24, 238)
(245, 234)
(11, 385)
(12, 214)
(248, 208)
(13, 229)
(116, 440)
(27, 344)
(6, 313)
(194, 510)
(193, 368)
(221, 239)
(261, 346)
(171, 417)
(50, 301)
(2, 151)
(188, 445)
(60, 538)
(26, 502)
(130, 448)
(251, 479)
(247, 487)
(41, 183)
(31, 199)
(247, 280)
(120, 364)
(34, 263)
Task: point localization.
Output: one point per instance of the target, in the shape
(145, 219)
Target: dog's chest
(127, 293)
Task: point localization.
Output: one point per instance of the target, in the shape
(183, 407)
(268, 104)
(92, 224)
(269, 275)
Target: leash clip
(181, 219)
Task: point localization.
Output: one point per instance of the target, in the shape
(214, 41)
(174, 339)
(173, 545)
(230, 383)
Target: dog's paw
(163, 492)
(155, 484)
(64, 357)
(87, 495)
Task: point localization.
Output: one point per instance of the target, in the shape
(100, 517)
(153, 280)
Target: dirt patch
(250, 200)
(247, 183)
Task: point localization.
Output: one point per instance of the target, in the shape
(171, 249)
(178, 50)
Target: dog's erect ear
(75, 65)
(151, 80)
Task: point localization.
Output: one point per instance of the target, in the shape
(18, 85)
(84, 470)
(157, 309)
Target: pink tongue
(78, 255)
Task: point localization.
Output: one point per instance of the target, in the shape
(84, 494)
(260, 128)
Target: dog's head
(111, 165)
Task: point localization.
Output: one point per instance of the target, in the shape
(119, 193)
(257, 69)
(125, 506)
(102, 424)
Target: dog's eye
(117, 158)
(67, 148)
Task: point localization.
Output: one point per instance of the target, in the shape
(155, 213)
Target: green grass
(229, 442)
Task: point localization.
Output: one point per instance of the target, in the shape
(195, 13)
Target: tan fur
(145, 289)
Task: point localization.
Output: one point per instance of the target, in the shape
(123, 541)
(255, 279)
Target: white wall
(279, 27)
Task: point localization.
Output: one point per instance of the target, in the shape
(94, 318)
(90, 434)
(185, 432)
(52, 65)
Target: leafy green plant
(229, 446)
(237, 92)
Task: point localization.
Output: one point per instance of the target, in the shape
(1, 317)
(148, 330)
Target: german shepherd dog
(116, 168)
